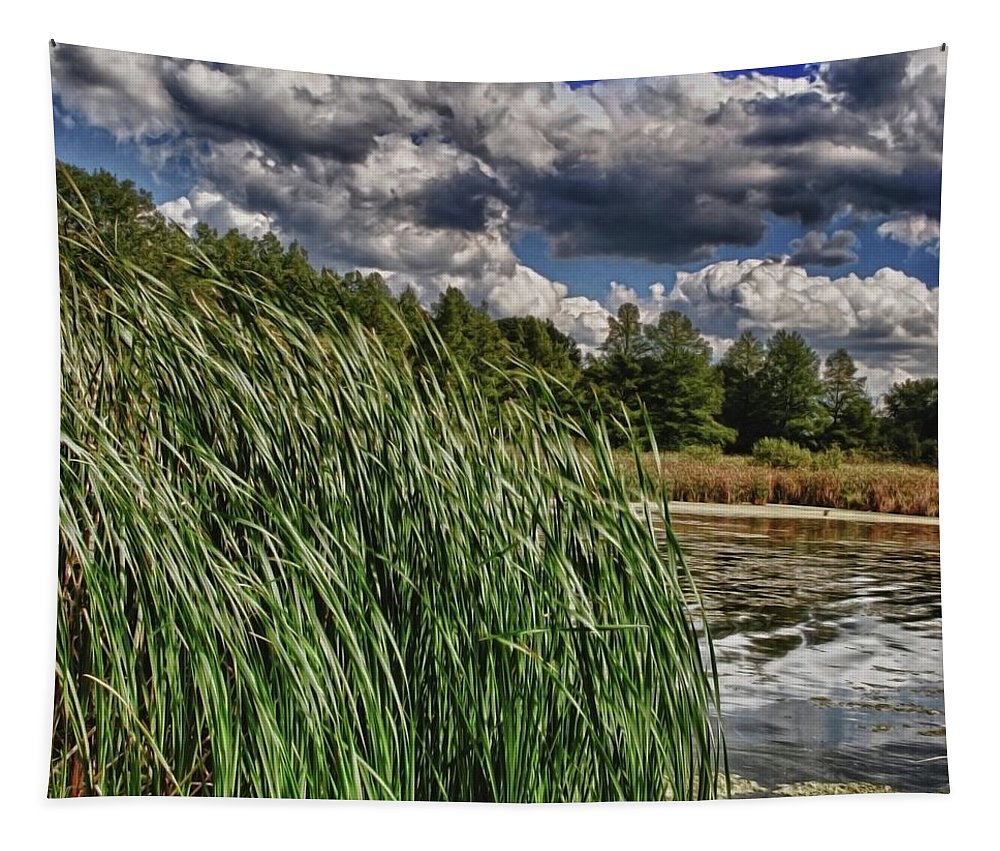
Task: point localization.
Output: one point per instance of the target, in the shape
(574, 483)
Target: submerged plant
(291, 567)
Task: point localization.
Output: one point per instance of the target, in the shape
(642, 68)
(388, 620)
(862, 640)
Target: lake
(828, 642)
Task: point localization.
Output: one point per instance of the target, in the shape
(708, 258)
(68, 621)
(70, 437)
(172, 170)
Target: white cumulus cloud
(888, 321)
(214, 209)
(912, 230)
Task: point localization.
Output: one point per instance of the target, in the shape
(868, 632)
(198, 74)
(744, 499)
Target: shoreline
(776, 511)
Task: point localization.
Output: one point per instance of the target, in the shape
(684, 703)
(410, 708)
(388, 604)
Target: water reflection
(828, 639)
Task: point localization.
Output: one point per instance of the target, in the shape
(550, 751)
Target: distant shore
(853, 489)
(772, 511)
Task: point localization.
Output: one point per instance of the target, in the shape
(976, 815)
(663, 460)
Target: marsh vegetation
(292, 565)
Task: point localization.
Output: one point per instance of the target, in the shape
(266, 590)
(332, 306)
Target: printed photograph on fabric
(510, 442)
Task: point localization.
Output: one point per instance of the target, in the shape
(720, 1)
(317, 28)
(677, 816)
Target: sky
(804, 197)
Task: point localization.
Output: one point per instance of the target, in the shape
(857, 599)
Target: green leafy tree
(792, 389)
(368, 298)
(744, 401)
(473, 339)
(911, 422)
(282, 274)
(124, 215)
(257, 261)
(618, 377)
(684, 392)
(539, 343)
(846, 402)
(416, 321)
(625, 335)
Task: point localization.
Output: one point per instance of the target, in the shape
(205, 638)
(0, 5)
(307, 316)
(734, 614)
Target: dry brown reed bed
(863, 486)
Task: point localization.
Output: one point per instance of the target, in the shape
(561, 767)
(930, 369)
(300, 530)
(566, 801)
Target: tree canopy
(846, 403)
(792, 390)
(684, 391)
(744, 406)
(911, 425)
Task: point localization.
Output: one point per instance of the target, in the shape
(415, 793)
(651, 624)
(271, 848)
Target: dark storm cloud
(430, 183)
(817, 249)
(662, 169)
(81, 64)
(798, 119)
(461, 201)
(871, 145)
(870, 82)
(301, 93)
(289, 115)
(813, 195)
(636, 213)
(236, 111)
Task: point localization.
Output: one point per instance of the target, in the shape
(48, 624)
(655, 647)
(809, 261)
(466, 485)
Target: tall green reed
(291, 567)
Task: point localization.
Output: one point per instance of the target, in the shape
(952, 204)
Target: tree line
(661, 373)
(774, 388)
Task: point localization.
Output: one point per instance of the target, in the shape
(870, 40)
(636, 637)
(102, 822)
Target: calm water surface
(828, 641)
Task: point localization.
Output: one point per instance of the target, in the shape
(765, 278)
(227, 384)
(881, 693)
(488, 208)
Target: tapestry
(518, 442)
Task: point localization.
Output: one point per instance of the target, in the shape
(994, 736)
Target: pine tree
(792, 390)
(845, 400)
(743, 406)
(684, 392)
